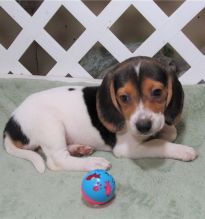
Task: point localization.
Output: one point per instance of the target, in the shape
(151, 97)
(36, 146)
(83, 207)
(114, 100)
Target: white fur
(56, 118)
(137, 69)
(141, 112)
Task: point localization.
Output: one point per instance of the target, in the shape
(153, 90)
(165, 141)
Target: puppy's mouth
(145, 134)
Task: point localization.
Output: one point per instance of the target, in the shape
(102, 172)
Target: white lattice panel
(168, 30)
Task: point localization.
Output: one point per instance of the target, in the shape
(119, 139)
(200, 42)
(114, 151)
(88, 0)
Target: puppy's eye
(156, 93)
(125, 98)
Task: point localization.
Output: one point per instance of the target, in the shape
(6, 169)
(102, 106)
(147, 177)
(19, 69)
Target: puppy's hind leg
(59, 158)
(64, 161)
(79, 150)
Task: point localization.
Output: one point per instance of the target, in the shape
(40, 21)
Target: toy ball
(98, 187)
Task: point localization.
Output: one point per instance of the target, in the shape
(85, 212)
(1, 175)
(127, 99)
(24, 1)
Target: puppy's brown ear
(107, 106)
(175, 100)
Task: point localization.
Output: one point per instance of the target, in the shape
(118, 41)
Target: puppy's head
(140, 95)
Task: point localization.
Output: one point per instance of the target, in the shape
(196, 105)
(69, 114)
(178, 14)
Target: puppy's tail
(32, 156)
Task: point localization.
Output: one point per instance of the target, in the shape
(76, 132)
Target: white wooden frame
(168, 30)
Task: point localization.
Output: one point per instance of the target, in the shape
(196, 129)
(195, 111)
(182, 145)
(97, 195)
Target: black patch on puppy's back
(13, 129)
(89, 94)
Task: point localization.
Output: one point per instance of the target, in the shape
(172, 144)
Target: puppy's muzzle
(144, 126)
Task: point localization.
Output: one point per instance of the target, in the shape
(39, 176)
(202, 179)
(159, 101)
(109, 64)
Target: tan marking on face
(129, 107)
(155, 104)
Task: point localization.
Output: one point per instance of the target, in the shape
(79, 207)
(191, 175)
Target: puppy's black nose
(144, 125)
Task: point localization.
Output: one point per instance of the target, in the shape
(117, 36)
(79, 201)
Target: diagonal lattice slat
(168, 30)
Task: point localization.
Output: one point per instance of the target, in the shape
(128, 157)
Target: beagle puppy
(133, 113)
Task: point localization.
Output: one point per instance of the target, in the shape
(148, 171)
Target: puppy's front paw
(93, 163)
(187, 153)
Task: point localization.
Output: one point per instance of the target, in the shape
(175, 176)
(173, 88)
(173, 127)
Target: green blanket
(146, 188)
